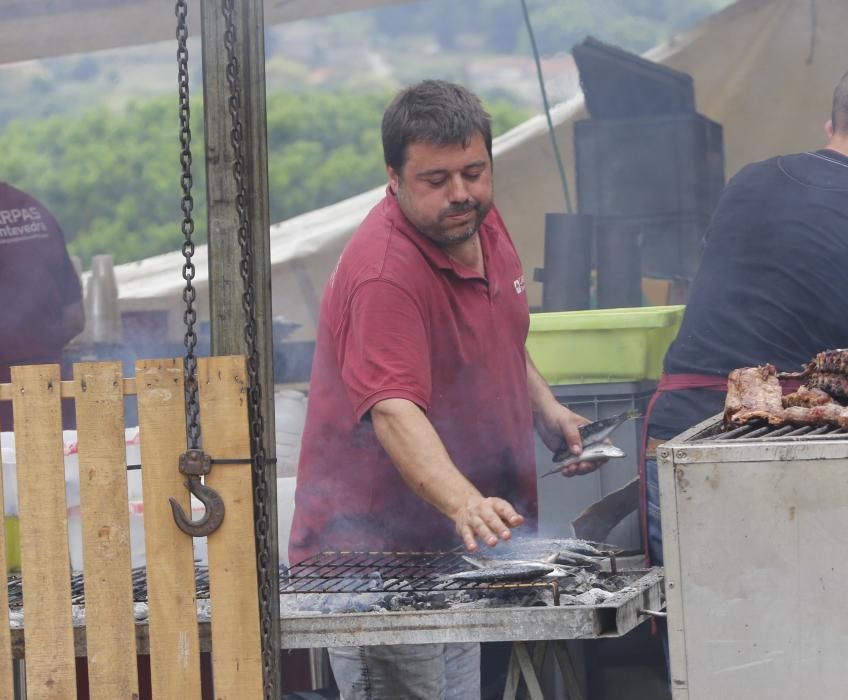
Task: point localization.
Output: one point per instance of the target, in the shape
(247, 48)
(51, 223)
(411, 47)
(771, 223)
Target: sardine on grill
(505, 571)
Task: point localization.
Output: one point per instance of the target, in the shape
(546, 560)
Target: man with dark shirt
(41, 297)
(772, 287)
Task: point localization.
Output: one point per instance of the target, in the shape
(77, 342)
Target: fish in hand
(598, 452)
(593, 433)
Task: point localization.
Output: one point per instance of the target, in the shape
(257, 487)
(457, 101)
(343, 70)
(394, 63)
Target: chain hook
(194, 464)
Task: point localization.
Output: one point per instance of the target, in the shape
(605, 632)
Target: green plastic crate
(13, 544)
(602, 345)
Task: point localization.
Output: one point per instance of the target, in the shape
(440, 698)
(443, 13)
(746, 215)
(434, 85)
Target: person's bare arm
(555, 422)
(413, 445)
(73, 320)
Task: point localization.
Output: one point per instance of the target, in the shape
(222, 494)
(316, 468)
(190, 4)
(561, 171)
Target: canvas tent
(31, 29)
(764, 69)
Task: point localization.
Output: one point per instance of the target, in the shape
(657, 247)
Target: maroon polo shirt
(401, 319)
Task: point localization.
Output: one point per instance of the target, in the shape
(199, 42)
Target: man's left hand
(557, 424)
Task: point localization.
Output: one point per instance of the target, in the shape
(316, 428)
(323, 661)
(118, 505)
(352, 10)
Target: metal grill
(139, 586)
(392, 572)
(760, 430)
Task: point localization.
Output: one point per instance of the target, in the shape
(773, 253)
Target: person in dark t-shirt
(771, 287)
(42, 300)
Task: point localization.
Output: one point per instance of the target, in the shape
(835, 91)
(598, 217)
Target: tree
(113, 179)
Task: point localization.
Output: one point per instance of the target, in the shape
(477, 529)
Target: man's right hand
(490, 519)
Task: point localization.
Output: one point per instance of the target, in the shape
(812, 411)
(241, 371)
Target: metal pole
(225, 284)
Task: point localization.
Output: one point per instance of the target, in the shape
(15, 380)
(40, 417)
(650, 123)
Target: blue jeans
(408, 672)
(654, 523)
(655, 550)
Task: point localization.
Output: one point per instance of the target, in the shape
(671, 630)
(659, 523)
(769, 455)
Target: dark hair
(433, 111)
(839, 114)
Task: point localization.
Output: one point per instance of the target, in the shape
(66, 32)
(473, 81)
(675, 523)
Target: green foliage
(107, 165)
(113, 179)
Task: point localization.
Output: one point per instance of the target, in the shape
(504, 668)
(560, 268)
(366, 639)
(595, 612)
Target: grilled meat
(831, 361)
(753, 392)
(807, 397)
(827, 371)
(834, 384)
(824, 414)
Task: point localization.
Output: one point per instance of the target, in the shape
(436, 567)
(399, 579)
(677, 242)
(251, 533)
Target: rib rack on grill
(755, 393)
(828, 371)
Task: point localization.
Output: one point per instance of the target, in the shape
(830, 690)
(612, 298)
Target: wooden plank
(6, 685)
(569, 673)
(225, 283)
(236, 643)
(174, 655)
(45, 557)
(105, 531)
(522, 654)
(142, 640)
(513, 677)
(68, 389)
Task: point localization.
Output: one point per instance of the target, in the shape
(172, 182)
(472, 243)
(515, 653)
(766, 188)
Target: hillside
(96, 136)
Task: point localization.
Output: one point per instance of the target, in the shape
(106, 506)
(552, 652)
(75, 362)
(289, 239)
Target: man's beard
(450, 236)
(438, 231)
(446, 237)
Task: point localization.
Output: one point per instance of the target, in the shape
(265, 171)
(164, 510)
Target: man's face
(445, 191)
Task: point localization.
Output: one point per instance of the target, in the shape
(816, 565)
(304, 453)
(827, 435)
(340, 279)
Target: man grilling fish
(423, 400)
(771, 287)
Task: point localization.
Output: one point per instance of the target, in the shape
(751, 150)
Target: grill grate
(392, 572)
(139, 586)
(761, 431)
(336, 572)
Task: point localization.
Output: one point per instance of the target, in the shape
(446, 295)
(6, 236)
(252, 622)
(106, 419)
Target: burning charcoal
(593, 596)
(438, 601)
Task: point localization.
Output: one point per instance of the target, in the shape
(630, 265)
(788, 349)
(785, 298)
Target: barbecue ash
(523, 572)
(357, 582)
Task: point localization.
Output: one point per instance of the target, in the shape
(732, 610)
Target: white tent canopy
(764, 69)
(31, 29)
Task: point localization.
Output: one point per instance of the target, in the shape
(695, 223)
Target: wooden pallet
(99, 390)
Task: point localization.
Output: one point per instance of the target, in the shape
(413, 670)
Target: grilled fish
(593, 433)
(587, 548)
(505, 571)
(597, 452)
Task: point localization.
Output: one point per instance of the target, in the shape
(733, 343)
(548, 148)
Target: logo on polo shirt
(18, 225)
(519, 284)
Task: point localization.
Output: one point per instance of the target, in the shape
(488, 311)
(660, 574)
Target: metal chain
(268, 580)
(187, 226)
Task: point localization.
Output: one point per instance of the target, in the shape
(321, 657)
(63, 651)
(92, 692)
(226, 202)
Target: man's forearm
(541, 396)
(420, 456)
